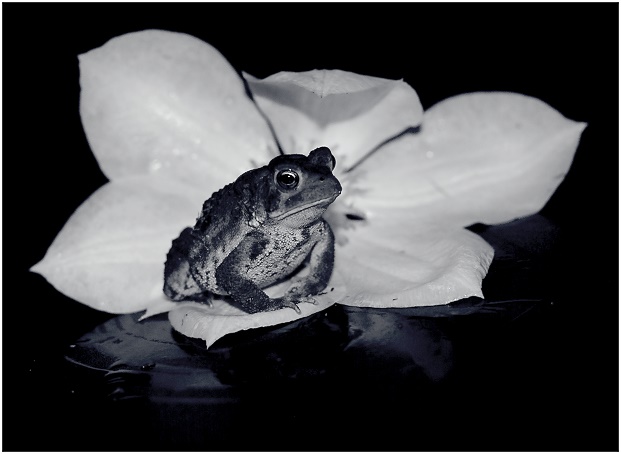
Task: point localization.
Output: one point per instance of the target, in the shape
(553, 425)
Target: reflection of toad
(257, 231)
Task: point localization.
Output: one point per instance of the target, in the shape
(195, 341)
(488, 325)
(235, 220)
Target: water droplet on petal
(429, 154)
(155, 165)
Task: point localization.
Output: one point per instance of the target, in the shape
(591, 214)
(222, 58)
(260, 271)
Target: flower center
(342, 217)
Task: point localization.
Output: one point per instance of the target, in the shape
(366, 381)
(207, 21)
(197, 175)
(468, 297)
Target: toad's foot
(293, 301)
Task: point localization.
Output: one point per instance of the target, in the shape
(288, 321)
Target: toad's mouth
(281, 215)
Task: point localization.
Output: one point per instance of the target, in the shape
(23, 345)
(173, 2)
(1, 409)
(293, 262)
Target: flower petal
(395, 264)
(156, 101)
(480, 157)
(349, 113)
(110, 254)
(211, 323)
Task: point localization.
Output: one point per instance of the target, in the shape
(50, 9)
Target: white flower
(170, 122)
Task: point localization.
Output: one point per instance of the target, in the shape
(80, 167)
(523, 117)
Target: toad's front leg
(232, 277)
(320, 269)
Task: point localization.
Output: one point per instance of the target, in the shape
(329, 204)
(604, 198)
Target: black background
(564, 54)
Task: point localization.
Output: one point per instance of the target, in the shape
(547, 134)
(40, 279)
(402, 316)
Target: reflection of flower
(170, 122)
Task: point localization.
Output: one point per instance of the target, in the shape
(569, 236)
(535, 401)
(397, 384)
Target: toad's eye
(287, 179)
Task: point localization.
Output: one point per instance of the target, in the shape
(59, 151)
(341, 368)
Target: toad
(258, 231)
